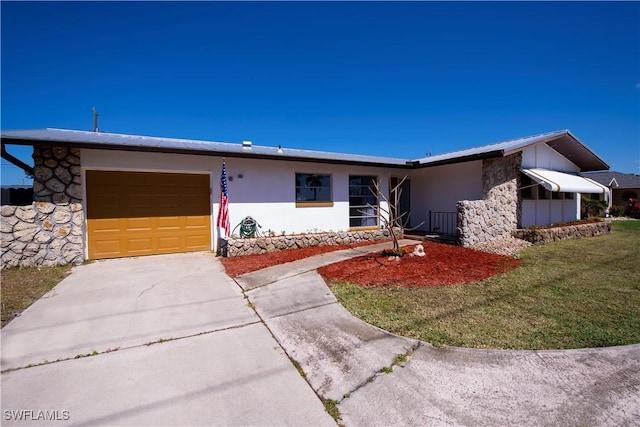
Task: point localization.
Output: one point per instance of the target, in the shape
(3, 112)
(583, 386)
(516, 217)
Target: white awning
(564, 182)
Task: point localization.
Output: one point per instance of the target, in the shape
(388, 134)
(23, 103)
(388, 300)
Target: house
(16, 194)
(105, 195)
(624, 186)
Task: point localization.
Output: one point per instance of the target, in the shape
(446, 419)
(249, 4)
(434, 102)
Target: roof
(624, 180)
(116, 141)
(562, 141)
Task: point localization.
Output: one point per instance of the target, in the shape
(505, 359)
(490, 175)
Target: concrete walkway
(343, 359)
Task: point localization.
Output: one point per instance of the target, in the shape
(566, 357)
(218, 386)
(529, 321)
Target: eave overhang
(561, 141)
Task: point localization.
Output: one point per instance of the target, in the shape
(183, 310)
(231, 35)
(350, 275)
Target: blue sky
(379, 78)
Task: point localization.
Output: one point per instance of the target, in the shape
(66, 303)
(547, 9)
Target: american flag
(223, 209)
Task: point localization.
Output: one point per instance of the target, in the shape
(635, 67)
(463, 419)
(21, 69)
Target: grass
(569, 294)
(21, 287)
(331, 406)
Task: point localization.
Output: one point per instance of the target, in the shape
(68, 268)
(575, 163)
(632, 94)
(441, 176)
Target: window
(562, 196)
(629, 195)
(363, 201)
(313, 189)
(527, 187)
(543, 193)
(531, 190)
(557, 195)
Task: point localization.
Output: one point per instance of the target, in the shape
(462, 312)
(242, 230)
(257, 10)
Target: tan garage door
(141, 213)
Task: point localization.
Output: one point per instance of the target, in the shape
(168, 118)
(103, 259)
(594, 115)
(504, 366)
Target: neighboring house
(624, 186)
(16, 194)
(104, 195)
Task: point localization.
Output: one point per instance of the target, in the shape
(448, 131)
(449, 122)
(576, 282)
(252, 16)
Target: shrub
(632, 209)
(394, 252)
(592, 207)
(616, 210)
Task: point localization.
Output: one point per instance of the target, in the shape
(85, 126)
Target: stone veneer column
(49, 231)
(498, 214)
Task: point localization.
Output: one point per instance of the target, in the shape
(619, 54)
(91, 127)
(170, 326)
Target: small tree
(391, 217)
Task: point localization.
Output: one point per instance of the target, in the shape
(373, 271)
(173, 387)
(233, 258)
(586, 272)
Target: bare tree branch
(390, 217)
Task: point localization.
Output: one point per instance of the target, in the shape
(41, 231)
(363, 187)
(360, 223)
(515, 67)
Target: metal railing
(444, 223)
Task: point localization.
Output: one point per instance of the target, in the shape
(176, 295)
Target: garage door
(140, 213)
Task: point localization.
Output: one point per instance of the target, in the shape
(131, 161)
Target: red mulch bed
(235, 266)
(443, 265)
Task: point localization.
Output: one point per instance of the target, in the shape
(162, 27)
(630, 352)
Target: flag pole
(223, 222)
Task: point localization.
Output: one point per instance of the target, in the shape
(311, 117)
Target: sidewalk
(337, 351)
(345, 359)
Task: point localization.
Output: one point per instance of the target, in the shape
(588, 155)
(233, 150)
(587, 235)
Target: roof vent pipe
(246, 144)
(95, 119)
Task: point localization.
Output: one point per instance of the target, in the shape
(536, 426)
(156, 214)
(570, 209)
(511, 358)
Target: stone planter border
(262, 245)
(554, 234)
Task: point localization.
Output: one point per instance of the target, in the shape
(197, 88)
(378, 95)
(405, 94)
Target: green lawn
(21, 287)
(569, 294)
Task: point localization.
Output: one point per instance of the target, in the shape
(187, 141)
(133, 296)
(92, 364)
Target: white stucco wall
(266, 190)
(439, 188)
(544, 212)
(544, 157)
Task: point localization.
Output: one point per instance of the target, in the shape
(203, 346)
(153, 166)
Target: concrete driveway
(159, 340)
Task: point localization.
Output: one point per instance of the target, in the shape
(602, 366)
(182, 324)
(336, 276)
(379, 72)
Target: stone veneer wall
(553, 234)
(497, 215)
(50, 230)
(261, 245)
